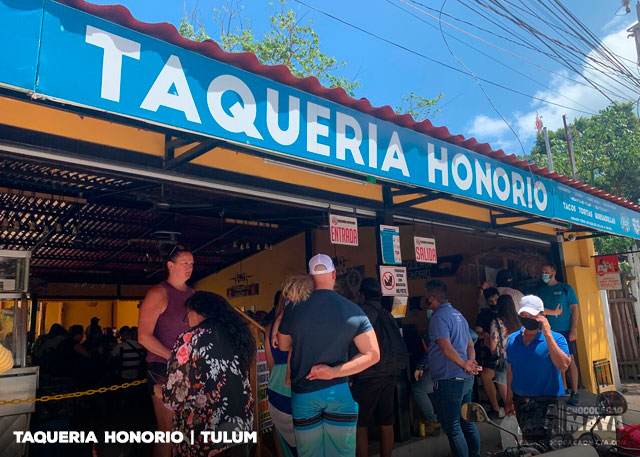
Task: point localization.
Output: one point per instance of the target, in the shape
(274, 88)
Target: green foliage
(287, 43)
(419, 107)
(607, 154)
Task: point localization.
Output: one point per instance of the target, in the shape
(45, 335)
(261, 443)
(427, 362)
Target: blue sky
(387, 73)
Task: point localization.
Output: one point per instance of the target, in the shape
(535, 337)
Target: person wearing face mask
(453, 366)
(561, 307)
(536, 358)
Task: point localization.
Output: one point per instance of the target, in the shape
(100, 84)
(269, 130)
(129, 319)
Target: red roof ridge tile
(280, 73)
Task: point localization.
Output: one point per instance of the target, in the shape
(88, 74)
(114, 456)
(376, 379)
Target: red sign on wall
(608, 272)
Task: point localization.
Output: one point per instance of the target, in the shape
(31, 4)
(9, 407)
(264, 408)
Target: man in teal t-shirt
(561, 310)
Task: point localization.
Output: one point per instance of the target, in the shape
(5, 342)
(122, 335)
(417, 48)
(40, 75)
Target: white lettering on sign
(488, 180)
(425, 250)
(244, 115)
(329, 131)
(284, 137)
(115, 47)
(343, 230)
(172, 76)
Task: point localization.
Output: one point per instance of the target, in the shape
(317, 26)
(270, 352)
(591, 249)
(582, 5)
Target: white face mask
(546, 277)
(429, 313)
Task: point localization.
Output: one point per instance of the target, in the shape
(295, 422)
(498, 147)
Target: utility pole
(570, 148)
(634, 31)
(548, 147)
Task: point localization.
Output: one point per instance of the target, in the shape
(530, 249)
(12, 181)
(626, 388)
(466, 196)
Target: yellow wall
(127, 312)
(592, 334)
(267, 268)
(81, 312)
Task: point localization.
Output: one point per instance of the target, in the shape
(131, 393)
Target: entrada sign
(85, 60)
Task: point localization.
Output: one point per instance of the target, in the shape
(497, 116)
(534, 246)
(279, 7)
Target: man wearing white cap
(537, 356)
(318, 332)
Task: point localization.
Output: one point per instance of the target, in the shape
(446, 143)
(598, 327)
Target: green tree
(419, 107)
(289, 43)
(607, 154)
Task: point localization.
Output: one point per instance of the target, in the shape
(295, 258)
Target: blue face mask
(546, 278)
(429, 313)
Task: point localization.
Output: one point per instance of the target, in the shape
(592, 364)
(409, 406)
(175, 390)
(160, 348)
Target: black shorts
(375, 398)
(156, 374)
(572, 344)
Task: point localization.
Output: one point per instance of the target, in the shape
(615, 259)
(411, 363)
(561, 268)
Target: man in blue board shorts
(318, 332)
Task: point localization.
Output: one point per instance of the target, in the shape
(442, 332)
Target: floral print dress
(206, 389)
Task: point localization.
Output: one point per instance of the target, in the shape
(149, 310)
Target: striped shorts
(325, 421)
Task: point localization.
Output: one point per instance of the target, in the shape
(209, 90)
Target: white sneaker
(501, 413)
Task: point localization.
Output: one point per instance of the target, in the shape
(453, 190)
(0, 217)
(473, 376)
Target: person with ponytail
(161, 320)
(208, 387)
(295, 289)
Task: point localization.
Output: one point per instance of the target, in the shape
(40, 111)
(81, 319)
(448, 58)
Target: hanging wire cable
(517, 56)
(524, 75)
(585, 51)
(524, 153)
(431, 59)
(518, 21)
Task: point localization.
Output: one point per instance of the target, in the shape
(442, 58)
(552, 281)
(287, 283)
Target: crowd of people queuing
(334, 362)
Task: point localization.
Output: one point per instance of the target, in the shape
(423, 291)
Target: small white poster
(393, 281)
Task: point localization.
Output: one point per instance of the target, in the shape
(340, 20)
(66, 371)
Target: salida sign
(425, 250)
(343, 229)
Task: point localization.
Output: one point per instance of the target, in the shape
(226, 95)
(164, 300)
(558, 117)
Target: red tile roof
(280, 73)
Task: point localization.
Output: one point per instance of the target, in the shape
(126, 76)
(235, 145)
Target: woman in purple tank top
(162, 318)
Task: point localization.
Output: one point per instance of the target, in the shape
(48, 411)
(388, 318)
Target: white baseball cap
(531, 304)
(320, 259)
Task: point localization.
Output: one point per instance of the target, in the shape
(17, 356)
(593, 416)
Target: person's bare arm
(368, 354)
(284, 342)
(80, 349)
(559, 358)
(471, 350)
(553, 312)
(509, 410)
(573, 333)
(154, 304)
(267, 348)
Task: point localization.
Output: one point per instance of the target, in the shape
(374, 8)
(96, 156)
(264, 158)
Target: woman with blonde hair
(295, 289)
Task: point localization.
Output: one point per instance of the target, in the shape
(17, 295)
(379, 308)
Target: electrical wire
(431, 59)
(444, 38)
(567, 53)
(524, 75)
(517, 56)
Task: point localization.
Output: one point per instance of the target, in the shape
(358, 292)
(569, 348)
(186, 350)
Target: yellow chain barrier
(44, 398)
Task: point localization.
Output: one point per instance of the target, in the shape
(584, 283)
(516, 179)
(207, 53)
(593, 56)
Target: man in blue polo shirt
(561, 308)
(452, 360)
(537, 356)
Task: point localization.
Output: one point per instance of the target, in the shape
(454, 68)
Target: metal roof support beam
(397, 192)
(417, 201)
(529, 220)
(191, 154)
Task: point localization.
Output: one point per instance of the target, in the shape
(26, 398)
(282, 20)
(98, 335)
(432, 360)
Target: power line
(480, 85)
(524, 75)
(430, 59)
(617, 94)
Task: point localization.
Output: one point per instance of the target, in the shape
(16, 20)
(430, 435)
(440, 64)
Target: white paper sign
(393, 281)
(343, 229)
(425, 250)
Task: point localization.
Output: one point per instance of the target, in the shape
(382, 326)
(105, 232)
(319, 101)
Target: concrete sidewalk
(438, 446)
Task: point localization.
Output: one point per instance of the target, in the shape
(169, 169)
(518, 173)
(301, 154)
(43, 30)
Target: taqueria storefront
(87, 90)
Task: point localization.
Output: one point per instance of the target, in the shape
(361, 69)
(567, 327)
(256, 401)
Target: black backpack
(394, 355)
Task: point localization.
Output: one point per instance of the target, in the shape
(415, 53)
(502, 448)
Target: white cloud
(577, 97)
(486, 127)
